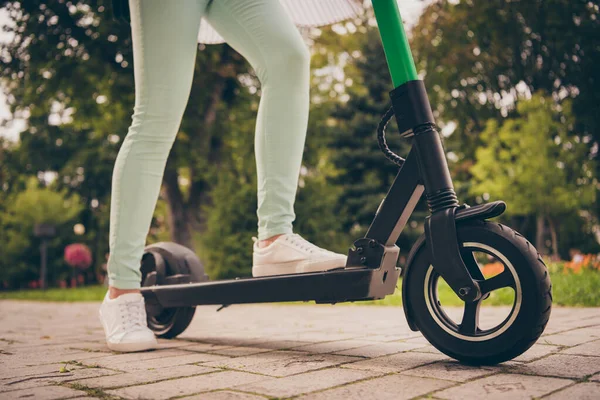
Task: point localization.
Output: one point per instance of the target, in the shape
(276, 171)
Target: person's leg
(164, 46)
(164, 35)
(264, 34)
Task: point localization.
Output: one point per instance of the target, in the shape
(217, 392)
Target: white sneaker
(124, 323)
(292, 254)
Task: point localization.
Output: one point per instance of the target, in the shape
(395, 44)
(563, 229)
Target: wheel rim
(153, 269)
(468, 329)
(162, 322)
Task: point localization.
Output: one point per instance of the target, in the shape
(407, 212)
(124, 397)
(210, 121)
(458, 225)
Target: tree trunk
(539, 234)
(199, 188)
(179, 224)
(525, 225)
(554, 236)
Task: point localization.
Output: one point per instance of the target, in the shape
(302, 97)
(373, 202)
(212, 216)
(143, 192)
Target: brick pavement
(252, 352)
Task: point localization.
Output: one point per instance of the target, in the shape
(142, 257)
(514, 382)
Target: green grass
(86, 293)
(580, 290)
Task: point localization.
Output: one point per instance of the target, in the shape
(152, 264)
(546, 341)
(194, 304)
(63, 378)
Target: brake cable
(389, 154)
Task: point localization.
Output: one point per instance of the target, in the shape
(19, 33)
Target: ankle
(267, 242)
(113, 292)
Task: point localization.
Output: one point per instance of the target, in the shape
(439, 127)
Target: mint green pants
(164, 46)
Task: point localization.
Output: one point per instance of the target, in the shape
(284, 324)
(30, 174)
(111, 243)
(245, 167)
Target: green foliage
(364, 172)
(42, 205)
(477, 54)
(534, 162)
(20, 256)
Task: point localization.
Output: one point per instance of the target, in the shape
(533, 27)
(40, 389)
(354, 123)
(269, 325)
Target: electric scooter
(458, 239)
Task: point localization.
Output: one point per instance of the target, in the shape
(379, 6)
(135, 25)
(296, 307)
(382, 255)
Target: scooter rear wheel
(164, 263)
(487, 249)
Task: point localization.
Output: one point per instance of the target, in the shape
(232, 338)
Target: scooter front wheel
(509, 270)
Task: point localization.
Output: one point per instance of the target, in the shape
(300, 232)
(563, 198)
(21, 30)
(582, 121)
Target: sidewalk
(254, 352)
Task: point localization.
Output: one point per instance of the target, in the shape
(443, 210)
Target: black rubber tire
(170, 322)
(178, 322)
(531, 318)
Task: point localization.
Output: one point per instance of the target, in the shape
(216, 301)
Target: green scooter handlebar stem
(395, 44)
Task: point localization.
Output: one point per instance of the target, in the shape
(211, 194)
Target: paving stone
(428, 349)
(245, 361)
(224, 340)
(451, 370)
(144, 376)
(190, 385)
(396, 362)
(281, 344)
(392, 387)
(536, 351)
(323, 336)
(47, 356)
(205, 347)
(504, 386)
(51, 377)
(165, 362)
(393, 337)
(173, 343)
(380, 349)
(109, 361)
(296, 365)
(595, 378)
(572, 337)
(307, 382)
(331, 347)
(32, 381)
(580, 391)
(43, 393)
(561, 365)
(7, 373)
(90, 346)
(239, 351)
(225, 395)
(418, 340)
(587, 349)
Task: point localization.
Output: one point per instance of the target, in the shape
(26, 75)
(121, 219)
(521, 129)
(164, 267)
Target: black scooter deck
(335, 286)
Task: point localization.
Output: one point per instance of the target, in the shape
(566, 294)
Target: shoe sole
(294, 268)
(132, 347)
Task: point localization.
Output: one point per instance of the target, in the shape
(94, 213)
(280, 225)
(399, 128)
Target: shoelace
(132, 315)
(301, 243)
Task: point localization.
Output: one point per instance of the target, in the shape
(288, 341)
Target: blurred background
(515, 86)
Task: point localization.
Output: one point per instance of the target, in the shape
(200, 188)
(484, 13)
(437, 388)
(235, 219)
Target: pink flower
(78, 255)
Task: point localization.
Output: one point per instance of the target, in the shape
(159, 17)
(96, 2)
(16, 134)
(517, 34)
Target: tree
(363, 171)
(479, 58)
(36, 204)
(537, 164)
